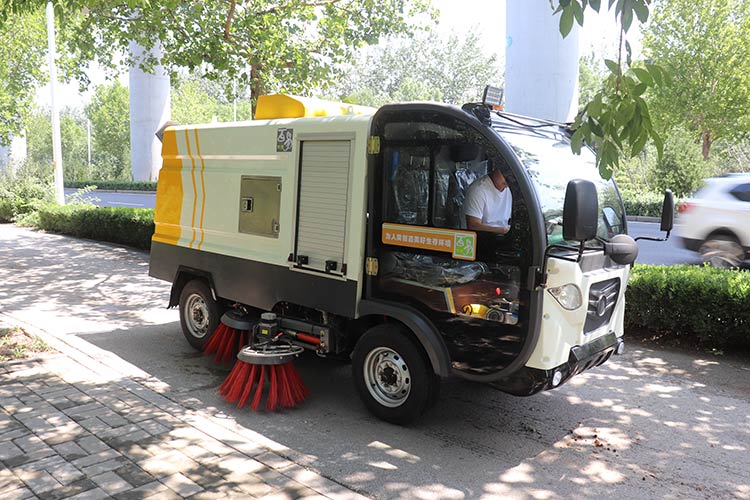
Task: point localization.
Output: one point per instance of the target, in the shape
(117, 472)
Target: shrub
(22, 192)
(127, 226)
(643, 204)
(113, 185)
(699, 305)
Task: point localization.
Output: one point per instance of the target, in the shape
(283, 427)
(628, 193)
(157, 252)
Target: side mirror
(667, 211)
(581, 211)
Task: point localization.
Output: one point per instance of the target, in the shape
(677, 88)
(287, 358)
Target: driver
(488, 204)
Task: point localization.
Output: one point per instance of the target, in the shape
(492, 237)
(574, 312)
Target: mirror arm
(547, 256)
(648, 238)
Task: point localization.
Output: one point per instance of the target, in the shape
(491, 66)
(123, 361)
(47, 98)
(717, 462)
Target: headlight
(568, 296)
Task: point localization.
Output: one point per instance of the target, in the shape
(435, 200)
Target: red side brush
(285, 387)
(229, 337)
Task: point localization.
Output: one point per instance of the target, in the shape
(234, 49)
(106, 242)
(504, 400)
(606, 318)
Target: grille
(602, 300)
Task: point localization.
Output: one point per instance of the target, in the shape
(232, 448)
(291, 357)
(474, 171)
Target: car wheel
(722, 251)
(392, 375)
(199, 313)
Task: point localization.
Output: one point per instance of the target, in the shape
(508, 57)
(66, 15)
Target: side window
(741, 192)
(407, 171)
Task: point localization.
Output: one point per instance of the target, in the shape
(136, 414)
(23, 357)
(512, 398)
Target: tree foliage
(706, 45)
(200, 101)
(268, 45)
(22, 54)
(427, 67)
(617, 121)
(109, 114)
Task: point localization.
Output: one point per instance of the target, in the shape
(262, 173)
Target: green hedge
(113, 185)
(692, 305)
(128, 226)
(643, 204)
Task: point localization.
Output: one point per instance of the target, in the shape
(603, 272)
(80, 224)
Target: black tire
(722, 251)
(200, 315)
(392, 375)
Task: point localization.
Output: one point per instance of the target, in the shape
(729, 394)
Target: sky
(485, 17)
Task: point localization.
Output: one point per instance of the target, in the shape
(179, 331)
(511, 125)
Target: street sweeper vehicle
(347, 232)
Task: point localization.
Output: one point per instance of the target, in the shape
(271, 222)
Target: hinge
(373, 144)
(371, 266)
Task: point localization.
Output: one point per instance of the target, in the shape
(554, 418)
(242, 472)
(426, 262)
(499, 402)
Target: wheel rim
(722, 253)
(387, 377)
(197, 316)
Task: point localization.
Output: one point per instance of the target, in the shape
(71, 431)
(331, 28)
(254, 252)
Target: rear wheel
(722, 251)
(199, 313)
(392, 375)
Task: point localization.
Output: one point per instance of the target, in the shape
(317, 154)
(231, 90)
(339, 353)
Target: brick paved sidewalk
(66, 431)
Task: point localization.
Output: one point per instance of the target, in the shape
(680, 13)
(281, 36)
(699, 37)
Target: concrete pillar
(149, 109)
(541, 68)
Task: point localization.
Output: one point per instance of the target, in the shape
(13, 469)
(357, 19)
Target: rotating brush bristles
(285, 387)
(229, 337)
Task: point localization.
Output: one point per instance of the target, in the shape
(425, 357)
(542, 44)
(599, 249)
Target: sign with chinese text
(460, 244)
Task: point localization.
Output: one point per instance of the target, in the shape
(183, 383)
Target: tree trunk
(707, 141)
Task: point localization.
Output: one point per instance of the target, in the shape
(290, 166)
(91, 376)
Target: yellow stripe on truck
(168, 192)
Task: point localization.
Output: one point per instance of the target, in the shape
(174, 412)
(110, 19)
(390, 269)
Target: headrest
(464, 152)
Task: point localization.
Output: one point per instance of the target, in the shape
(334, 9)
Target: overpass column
(149, 109)
(541, 68)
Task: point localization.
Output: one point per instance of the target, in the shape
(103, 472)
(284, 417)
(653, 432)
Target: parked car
(716, 221)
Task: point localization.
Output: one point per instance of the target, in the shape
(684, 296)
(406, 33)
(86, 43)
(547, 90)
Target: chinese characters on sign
(460, 244)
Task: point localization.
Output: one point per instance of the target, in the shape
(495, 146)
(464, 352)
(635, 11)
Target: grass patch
(15, 343)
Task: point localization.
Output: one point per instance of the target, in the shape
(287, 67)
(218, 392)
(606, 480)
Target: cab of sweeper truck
(525, 308)
(374, 239)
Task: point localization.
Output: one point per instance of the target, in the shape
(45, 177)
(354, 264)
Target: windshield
(545, 153)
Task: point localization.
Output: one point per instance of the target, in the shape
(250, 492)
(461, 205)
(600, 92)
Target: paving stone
(9, 450)
(43, 463)
(92, 494)
(14, 434)
(249, 483)
(65, 472)
(70, 490)
(96, 458)
(165, 495)
(70, 450)
(38, 481)
(111, 482)
(237, 462)
(85, 409)
(145, 491)
(18, 494)
(131, 437)
(153, 427)
(30, 443)
(101, 467)
(94, 425)
(28, 457)
(134, 475)
(134, 452)
(198, 453)
(167, 463)
(181, 485)
(113, 420)
(205, 477)
(114, 432)
(62, 434)
(63, 404)
(92, 444)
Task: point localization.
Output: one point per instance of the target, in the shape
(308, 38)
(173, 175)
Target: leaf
(576, 142)
(595, 4)
(639, 89)
(627, 18)
(566, 22)
(641, 10)
(638, 145)
(578, 12)
(628, 53)
(658, 143)
(613, 67)
(655, 72)
(643, 75)
(596, 129)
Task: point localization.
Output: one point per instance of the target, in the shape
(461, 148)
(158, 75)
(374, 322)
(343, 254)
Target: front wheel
(199, 313)
(722, 251)
(392, 375)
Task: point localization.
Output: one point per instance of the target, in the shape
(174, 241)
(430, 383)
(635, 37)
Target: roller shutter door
(323, 196)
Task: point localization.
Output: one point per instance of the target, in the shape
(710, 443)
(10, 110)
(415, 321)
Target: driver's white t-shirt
(486, 203)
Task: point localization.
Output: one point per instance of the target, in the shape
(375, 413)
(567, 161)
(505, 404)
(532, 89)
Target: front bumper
(528, 381)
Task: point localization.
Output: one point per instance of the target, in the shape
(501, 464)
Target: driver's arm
(475, 224)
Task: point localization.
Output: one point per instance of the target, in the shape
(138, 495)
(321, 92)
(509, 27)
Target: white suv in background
(716, 221)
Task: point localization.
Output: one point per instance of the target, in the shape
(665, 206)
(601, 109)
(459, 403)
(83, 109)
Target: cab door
(470, 284)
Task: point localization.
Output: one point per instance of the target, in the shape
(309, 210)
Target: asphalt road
(117, 198)
(650, 252)
(648, 424)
